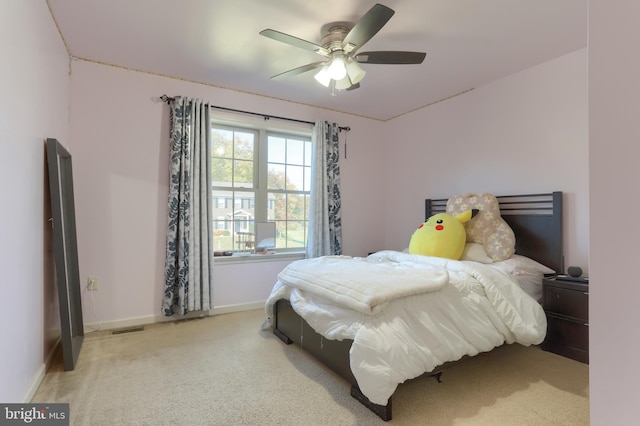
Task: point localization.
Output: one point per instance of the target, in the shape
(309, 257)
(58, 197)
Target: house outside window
(260, 175)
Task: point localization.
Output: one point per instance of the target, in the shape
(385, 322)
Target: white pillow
(522, 265)
(476, 253)
(527, 272)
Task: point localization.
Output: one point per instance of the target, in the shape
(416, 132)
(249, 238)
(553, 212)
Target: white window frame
(260, 189)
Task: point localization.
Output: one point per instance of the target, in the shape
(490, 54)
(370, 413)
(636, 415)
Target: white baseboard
(227, 309)
(39, 377)
(37, 380)
(152, 319)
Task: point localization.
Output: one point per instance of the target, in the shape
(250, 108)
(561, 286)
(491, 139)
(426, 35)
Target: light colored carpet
(226, 370)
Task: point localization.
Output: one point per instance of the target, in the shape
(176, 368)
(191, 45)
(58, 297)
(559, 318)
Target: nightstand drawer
(571, 303)
(568, 338)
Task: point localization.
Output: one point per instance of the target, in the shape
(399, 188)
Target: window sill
(255, 258)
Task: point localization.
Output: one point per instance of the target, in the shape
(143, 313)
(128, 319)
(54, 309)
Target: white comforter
(401, 331)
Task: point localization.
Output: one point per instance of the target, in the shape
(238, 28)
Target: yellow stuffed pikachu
(442, 235)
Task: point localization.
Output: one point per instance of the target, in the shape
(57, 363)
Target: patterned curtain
(189, 261)
(325, 218)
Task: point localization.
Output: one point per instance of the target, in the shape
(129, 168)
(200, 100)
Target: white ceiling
(468, 43)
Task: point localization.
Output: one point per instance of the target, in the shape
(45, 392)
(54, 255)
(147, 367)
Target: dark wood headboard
(536, 219)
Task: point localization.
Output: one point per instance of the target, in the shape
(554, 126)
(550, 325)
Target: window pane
(222, 143)
(271, 204)
(233, 215)
(291, 234)
(243, 147)
(295, 151)
(276, 148)
(281, 234)
(295, 234)
(295, 178)
(276, 176)
(232, 158)
(221, 172)
(223, 225)
(296, 207)
(279, 206)
(243, 173)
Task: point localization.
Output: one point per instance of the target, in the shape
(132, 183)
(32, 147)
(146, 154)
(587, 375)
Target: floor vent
(128, 330)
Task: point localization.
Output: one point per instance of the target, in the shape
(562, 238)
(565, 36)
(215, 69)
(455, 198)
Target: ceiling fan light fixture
(355, 72)
(339, 46)
(343, 84)
(337, 68)
(323, 77)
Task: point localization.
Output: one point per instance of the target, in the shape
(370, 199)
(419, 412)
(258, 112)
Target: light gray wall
(120, 132)
(35, 99)
(525, 133)
(614, 150)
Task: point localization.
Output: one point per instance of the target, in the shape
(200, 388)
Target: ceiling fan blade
(298, 70)
(367, 26)
(294, 41)
(390, 57)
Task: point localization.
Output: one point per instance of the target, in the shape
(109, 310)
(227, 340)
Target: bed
(377, 341)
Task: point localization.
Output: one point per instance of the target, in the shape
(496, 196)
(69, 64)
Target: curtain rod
(166, 98)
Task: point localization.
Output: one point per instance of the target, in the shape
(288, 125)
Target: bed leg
(438, 376)
(382, 411)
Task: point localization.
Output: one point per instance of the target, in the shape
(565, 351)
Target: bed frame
(536, 220)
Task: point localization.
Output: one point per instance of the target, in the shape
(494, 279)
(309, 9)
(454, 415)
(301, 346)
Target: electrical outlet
(92, 283)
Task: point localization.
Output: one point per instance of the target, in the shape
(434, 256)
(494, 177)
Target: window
(260, 175)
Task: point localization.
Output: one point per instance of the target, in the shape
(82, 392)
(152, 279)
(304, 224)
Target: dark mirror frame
(65, 250)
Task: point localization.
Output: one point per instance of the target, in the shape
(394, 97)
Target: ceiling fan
(340, 47)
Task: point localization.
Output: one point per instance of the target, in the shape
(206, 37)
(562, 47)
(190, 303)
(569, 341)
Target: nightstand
(566, 304)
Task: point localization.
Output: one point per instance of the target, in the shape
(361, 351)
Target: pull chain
(347, 129)
(345, 146)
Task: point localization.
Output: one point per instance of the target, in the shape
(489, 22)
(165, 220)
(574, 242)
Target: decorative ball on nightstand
(574, 271)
